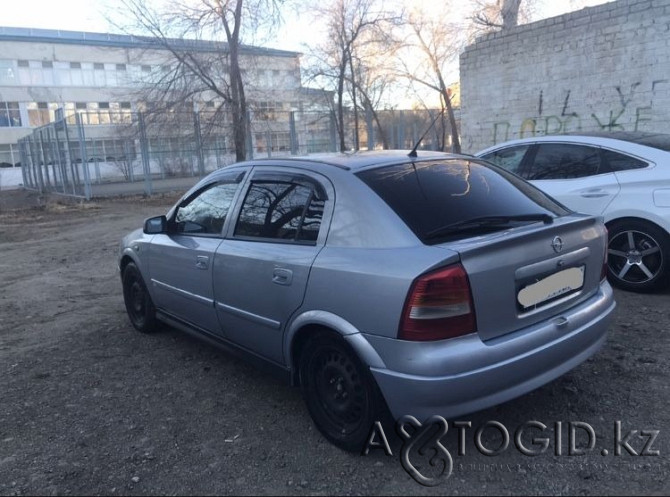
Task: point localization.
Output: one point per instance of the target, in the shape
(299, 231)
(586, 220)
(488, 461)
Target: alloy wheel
(634, 257)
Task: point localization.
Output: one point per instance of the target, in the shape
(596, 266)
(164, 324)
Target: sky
(90, 15)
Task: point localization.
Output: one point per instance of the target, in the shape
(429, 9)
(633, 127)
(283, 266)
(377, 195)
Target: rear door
(573, 174)
(261, 269)
(181, 261)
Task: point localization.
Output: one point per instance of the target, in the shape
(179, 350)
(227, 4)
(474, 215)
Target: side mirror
(155, 225)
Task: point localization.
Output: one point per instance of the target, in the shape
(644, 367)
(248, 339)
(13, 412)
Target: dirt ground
(89, 406)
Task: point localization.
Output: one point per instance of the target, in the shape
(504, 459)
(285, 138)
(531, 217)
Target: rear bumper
(459, 376)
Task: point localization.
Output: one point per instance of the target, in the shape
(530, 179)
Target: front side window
(288, 210)
(508, 158)
(564, 161)
(206, 213)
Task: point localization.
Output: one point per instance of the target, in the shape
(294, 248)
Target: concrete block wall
(603, 68)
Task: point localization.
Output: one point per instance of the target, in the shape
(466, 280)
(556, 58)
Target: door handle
(202, 262)
(282, 276)
(594, 193)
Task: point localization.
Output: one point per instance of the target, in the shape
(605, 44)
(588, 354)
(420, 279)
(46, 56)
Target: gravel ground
(89, 406)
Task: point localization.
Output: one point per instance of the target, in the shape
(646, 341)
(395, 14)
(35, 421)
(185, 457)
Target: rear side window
(621, 162)
(281, 210)
(508, 158)
(430, 195)
(564, 161)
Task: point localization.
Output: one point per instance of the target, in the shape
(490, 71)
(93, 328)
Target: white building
(100, 76)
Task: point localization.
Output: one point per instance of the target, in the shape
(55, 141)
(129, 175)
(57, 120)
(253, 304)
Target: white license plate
(551, 287)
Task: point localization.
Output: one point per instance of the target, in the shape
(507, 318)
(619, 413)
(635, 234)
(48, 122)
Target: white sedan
(622, 176)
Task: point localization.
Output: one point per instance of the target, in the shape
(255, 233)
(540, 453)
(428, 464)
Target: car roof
(660, 141)
(359, 160)
(614, 139)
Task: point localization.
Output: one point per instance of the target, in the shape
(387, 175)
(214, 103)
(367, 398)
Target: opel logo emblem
(557, 244)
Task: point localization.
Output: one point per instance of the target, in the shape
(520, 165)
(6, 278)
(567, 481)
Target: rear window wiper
(486, 222)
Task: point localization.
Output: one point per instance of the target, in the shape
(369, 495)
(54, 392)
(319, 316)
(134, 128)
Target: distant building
(101, 77)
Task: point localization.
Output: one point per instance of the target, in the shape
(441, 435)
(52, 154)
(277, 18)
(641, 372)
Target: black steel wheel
(139, 306)
(339, 391)
(638, 256)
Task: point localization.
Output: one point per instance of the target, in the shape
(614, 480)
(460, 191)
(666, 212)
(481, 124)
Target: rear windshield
(431, 195)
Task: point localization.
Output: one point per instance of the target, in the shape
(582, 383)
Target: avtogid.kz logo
(532, 438)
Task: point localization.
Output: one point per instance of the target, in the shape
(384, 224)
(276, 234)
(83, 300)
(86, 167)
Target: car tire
(638, 256)
(139, 306)
(341, 395)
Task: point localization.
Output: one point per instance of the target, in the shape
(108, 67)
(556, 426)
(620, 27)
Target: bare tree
(197, 69)
(492, 15)
(428, 53)
(353, 27)
(371, 84)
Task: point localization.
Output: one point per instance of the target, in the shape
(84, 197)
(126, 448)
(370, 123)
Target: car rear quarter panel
(368, 287)
(369, 261)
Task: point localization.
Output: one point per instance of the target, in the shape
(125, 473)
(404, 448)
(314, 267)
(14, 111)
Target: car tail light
(438, 306)
(603, 271)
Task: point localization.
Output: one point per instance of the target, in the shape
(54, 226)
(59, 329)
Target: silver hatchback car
(378, 282)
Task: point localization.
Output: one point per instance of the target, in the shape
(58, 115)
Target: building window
(75, 65)
(46, 64)
(99, 74)
(120, 67)
(62, 74)
(23, 63)
(9, 156)
(88, 74)
(273, 142)
(270, 111)
(122, 113)
(9, 115)
(103, 112)
(7, 72)
(36, 73)
(110, 74)
(91, 116)
(41, 113)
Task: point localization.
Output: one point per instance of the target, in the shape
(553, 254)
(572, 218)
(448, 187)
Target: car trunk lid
(524, 275)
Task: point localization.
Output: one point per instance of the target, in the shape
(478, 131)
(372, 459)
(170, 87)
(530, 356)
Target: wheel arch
(633, 217)
(308, 323)
(123, 263)
(625, 219)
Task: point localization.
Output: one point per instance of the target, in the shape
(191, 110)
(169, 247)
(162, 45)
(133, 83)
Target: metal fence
(87, 155)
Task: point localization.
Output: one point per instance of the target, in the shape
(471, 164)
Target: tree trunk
(237, 96)
(340, 105)
(355, 104)
(510, 13)
(455, 141)
(238, 107)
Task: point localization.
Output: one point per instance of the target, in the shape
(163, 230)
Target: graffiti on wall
(628, 113)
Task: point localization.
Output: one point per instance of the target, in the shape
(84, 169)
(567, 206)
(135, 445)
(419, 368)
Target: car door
(261, 269)
(574, 175)
(180, 262)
